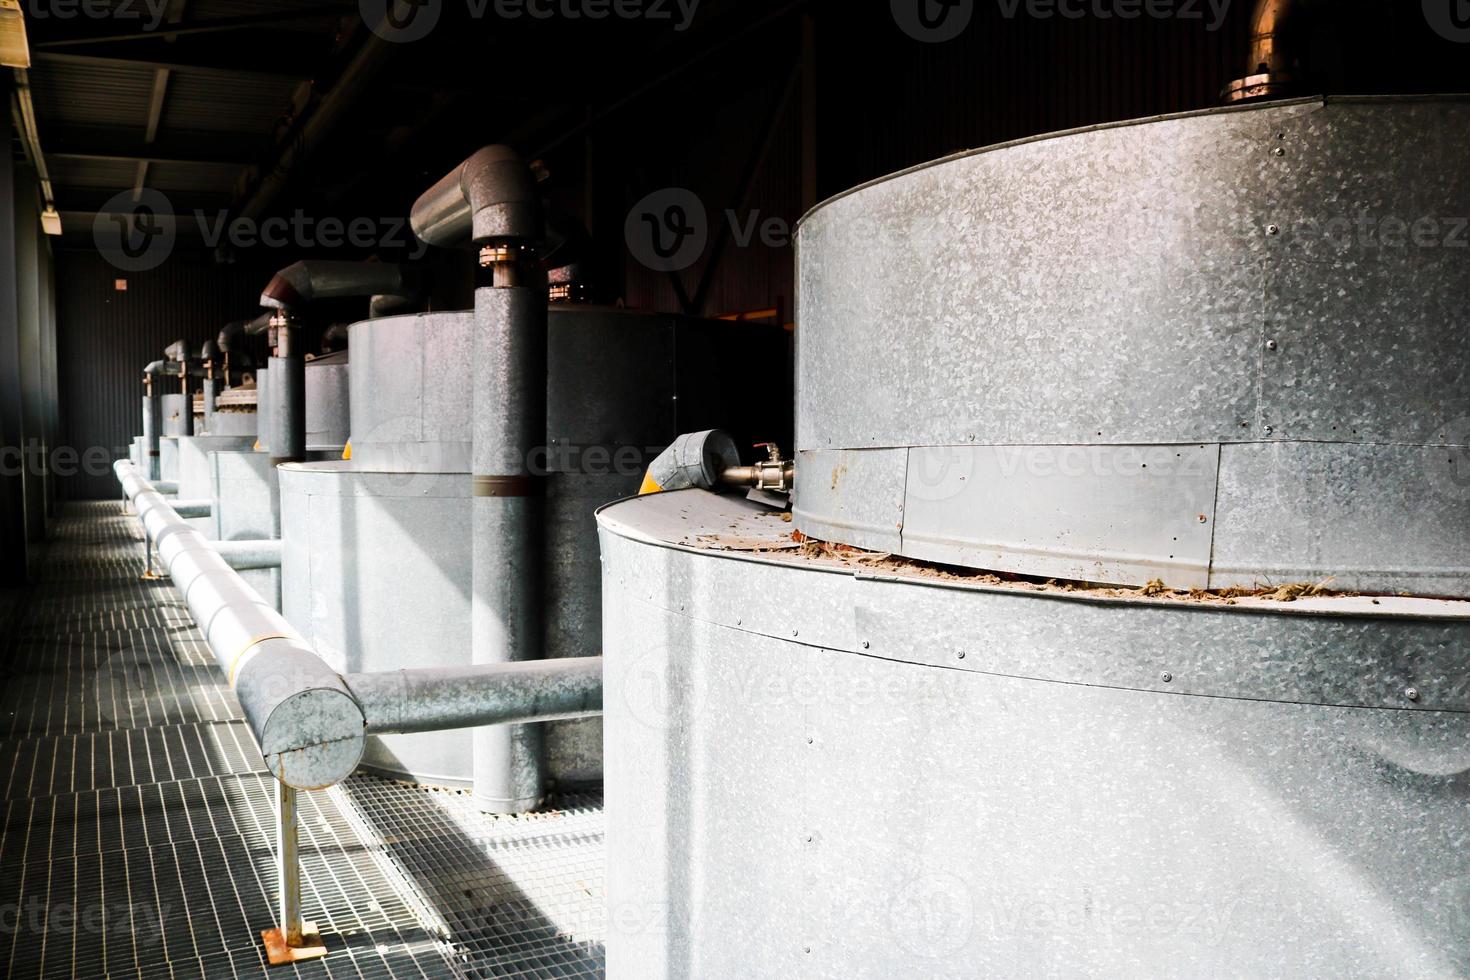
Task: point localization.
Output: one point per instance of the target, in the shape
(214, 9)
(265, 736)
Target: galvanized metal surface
(175, 408)
(137, 818)
(168, 459)
(328, 397)
(234, 424)
(1286, 276)
(376, 576)
(909, 773)
(378, 555)
(508, 615)
(308, 725)
(195, 471)
(285, 439)
(409, 393)
(245, 491)
(439, 699)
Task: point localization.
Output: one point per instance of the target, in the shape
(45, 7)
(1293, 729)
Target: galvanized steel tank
(1221, 349)
(377, 551)
(1134, 352)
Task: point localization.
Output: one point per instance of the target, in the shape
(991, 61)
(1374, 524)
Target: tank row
(1114, 598)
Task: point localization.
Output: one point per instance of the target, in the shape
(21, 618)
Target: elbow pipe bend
(305, 282)
(491, 196)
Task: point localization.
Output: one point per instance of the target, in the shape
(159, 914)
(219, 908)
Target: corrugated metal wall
(884, 102)
(107, 336)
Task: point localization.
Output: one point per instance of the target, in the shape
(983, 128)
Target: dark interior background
(762, 109)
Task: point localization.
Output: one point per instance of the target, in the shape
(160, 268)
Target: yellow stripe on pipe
(650, 485)
(237, 661)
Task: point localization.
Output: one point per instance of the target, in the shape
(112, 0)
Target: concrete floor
(137, 829)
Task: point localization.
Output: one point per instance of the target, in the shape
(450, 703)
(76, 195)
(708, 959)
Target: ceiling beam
(117, 143)
(96, 199)
(153, 158)
(176, 61)
(211, 26)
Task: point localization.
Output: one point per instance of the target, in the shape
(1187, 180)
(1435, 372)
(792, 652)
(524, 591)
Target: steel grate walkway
(137, 814)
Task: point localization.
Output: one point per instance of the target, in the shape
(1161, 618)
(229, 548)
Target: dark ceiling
(267, 107)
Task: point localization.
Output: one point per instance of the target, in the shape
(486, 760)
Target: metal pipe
(435, 700)
(490, 197)
(192, 508)
(1273, 65)
(288, 866)
(152, 417)
(263, 408)
(308, 724)
(305, 282)
(509, 355)
(243, 555)
(287, 392)
(259, 325)
(209, 354)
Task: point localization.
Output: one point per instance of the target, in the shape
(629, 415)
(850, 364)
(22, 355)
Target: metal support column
(292, 940)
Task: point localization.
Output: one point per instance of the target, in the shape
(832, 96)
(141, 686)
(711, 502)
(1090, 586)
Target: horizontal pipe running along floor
(138, 827)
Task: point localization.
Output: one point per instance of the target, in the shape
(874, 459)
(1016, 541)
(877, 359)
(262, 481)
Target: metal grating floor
(137, 816)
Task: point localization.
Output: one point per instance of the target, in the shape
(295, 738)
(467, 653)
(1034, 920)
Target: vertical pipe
(287, 415)
(153, 428)
(288, 398)
(288, 864)
(211, 393)
(263, 408)
(509, 358)
(186, 424)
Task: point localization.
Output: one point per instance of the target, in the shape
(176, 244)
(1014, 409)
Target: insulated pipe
(263, 409)
(210, 355)
(305, 282)
(259, 325)
(192, 508)
(490, 197)
(287, 393)
(178, 353)
(152, 417)
(243, 555)
(308, 724)
(509, 355)
(435, 700)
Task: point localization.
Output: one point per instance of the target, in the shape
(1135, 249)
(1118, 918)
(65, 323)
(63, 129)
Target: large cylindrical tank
(1209, 349)
(378, 552)
(1222, 349)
